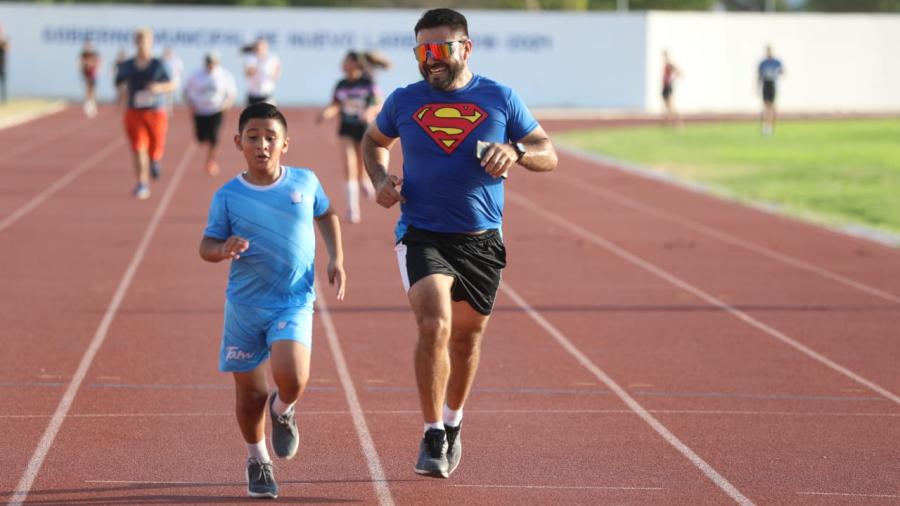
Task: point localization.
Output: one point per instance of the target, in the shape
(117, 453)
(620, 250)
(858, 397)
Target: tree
(853, 5)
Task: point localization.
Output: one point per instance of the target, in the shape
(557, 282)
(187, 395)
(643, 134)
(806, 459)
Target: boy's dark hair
(443, 17)
(261, 110)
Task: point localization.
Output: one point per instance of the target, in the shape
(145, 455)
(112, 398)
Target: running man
(4, 48)
(770, 69)
(143, 82)
(262, 69)
(449, 246)
(209, 93)
(175, 69)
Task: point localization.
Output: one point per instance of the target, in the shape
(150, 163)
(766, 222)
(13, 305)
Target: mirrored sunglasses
(438, 50)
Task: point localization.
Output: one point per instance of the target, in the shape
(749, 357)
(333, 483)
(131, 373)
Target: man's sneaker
(433, 455)
(285, 436)
(454, 447)
(141, 191)
(261, 480)
(155, 169)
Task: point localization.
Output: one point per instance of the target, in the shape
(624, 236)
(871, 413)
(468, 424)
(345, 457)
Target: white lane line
(535, 412)
(851, 494)
(59, 184)
(728, 238)
(629, 401)
(43, 447)
(560, 487)
(379, 482)
(42, 140)
(710, 299)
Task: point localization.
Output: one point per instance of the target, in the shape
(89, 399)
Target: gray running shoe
(155, 169)
(454, 446)
(260, 480)
(285, 436)
(433, 455)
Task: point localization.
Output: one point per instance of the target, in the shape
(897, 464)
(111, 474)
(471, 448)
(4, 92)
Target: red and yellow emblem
(449, 124)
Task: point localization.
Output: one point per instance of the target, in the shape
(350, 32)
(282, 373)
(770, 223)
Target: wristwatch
(520, 150)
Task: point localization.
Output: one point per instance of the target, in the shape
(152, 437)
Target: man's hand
(386, 192)
(234, 246)
(498, 159)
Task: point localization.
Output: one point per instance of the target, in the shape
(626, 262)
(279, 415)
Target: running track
(650, 345)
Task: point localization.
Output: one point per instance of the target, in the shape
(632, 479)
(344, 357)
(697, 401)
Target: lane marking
(59, 184)
(534, 412)
(699, 293)
(43, 447)
(561, 487)
(379, 482)
(851, 494)
(629, 401)
(23, 148)
(730, 239)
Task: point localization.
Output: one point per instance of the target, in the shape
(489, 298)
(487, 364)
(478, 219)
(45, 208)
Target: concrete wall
(598, 60)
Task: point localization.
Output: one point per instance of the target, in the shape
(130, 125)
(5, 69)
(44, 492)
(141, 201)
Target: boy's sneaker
(285, 436)
(433, 455)
(141, 191)
(155, 169)
(261, 480)
(454, 447)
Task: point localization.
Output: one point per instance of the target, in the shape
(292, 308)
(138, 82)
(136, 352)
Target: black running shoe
(433, 455)
(454, 446)
(260, 480)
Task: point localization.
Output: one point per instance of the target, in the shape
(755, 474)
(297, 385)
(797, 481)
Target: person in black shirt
(4, 45)
(357, 99)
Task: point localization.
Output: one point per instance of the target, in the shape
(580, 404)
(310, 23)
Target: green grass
(841, 172)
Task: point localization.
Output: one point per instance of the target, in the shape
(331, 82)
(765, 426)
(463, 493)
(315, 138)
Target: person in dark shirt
(89, 65)
(770, 69)
(356, 98)
(4, 47)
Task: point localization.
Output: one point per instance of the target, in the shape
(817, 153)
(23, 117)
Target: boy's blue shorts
(249, 332)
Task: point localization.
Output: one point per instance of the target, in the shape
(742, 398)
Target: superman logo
(449, 124)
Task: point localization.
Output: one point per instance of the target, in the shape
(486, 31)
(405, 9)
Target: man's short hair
(261, 110)
(443, 17)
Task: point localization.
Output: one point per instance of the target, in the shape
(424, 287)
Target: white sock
(353, 197)
(259, 451)
(280, 407)
(436, 425)
(452, 418)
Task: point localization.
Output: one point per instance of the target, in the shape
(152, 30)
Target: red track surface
(650, 345)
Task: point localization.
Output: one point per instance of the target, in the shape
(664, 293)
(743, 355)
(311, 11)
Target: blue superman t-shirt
(445, 187)
(277, 269)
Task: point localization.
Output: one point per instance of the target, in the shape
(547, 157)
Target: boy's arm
(330, 228)
(216, 250)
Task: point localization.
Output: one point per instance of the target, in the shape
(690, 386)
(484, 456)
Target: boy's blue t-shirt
(445, 187)
(277, 269)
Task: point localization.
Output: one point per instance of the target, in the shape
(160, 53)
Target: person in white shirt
(263, 69)
(209, 92)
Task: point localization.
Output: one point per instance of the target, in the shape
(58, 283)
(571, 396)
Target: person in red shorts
(89, 63)
(143, 81)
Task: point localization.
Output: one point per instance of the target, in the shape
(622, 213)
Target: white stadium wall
(597, 60)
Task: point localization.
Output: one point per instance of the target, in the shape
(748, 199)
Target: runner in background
(89, 65)
(262, 69)
(209, 92)
(175, 68)
(357, 99)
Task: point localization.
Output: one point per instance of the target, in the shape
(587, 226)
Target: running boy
(262, 220)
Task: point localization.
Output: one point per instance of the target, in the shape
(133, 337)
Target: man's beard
(441, 83)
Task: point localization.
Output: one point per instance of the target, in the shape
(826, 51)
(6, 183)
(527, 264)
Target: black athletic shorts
(768, 91)
(354, 131)
(207, 127)
(667, 91)
(474, 261)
